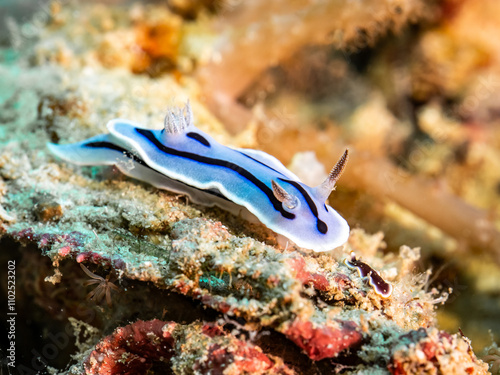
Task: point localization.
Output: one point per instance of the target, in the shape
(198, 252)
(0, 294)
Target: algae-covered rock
(167, 286)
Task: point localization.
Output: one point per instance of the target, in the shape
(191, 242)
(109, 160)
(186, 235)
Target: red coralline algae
(119, 264)
(323, 341)
(182, 287)
(92, 257)
(132, 349)
(64, 251)
(212, 330)
(96, 258)
(434, 352)
(245, 358)
(81, 258)
(216, 304)
(318, 281)
(342, 281)
(25, 236)
(73, 239)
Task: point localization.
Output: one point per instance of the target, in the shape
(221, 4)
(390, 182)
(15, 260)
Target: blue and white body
(183, 159)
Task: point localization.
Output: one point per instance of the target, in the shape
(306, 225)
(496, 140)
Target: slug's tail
(99, 150)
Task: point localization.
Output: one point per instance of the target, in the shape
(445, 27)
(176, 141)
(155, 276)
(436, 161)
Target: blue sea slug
(183, 159)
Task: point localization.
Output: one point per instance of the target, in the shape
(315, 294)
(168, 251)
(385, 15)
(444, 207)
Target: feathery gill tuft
(177, 119)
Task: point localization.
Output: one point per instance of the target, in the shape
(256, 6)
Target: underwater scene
(250, 187)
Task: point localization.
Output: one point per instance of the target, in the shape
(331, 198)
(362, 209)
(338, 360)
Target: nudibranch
(379, 285)
(183, 159)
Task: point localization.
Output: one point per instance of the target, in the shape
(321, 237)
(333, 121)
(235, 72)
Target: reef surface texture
(130, 279)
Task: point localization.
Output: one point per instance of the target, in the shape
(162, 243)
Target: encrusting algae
(186, 289)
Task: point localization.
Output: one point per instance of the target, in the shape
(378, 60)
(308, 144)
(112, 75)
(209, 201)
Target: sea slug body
(379, 285)
(183, 159)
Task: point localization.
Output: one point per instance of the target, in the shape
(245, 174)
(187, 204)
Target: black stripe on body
(112, 146)
(138, 160)
(221, 163)
(258, 161)
(199, 138)
(320, 224)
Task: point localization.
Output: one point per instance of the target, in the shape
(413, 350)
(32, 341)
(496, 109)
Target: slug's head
(314, 225)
